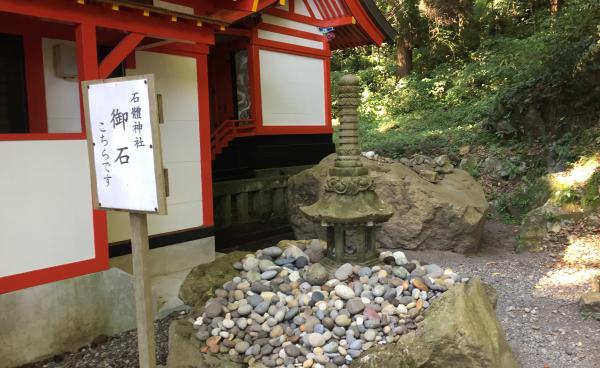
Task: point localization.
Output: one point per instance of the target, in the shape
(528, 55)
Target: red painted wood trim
(87, 58)
(291, 6)
(292, 49)
(181, 49)
(291, 32)
(118, 54)
(320, 9)
(283, 130)
(336, 22)
(42, 137)
(70, 11)
(205, 140)
(310, 11)
(34, 79)
(52, 274)
(364, 21)
(327, 81)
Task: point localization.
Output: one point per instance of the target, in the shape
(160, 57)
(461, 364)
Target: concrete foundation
(47, 320)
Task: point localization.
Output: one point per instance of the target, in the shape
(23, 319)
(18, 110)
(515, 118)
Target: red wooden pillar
(205, 142)
(87, 65)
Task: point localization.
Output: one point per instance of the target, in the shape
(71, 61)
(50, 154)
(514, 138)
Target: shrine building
(243, 88)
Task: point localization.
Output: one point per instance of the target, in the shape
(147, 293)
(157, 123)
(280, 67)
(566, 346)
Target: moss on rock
(201, 282)
(460, 330)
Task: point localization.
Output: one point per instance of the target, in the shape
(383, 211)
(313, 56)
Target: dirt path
(538, 293)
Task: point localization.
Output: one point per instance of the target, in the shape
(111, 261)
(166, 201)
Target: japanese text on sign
(120, 120)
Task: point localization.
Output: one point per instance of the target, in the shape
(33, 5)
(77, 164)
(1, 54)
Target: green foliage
(530, 194)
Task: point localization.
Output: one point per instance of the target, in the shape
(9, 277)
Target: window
(13, 96)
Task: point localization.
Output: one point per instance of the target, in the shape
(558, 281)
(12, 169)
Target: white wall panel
(300, 8)
(282, 22)
(62, 95)
(176, 81)
(279, 37)
(292, 89)
(46, 205)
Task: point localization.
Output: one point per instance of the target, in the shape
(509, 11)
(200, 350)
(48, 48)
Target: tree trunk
(404, 58)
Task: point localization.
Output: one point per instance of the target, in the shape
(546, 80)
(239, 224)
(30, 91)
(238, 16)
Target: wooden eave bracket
(125, 47)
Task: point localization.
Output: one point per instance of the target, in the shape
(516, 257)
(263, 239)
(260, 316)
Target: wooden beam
(119, 53)
(126, 20)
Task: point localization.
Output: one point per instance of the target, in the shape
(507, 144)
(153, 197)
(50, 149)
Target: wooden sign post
(127, 175)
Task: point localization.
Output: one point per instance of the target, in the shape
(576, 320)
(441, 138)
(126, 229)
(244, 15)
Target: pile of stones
(430, 169)
(286, 310)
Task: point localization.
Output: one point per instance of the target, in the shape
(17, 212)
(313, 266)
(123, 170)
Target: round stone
(370, 335)
(355, 305)
(330, 347)
(343, 272)
(213, 309)
(268, 275)
(255, 300)
(316, 340)
(228, 324)
(272, 252)
(365, 271)
(400, 258)
(434, 271)
(241, 347)
(244, 309)
(250, 263)
(301, 262)
(343, 320)
(276, 331)
(344, 291)
(292, 350)
(316, 274)
(262, 307)
(400, 272)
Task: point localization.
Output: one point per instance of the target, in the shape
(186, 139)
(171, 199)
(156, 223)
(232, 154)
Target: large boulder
(447, 215)
(201, 282)
(460, 330)
(184, 350)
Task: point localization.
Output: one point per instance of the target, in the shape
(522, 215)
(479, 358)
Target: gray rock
(268, 275)
(241, 347)
(355, 305)
(343, 272)
(434, 271)
(365, 271)
(316, 340)
(255, 300)
(448, 215)
(316, 274)
(244, 309)
(273, 252)
(400, 272)
(213, 309)
(344, 291)
(292, 350)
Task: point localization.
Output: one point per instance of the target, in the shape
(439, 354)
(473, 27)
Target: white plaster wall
(279, 37)
(46, 205)
(62, 95)
(315, 9)
(282, 22)
(292, 89)
(300, 8)
(176, 80)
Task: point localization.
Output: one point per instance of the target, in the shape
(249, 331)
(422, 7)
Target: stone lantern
(349, 207)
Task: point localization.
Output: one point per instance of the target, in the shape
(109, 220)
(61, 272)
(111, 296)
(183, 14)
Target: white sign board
(124, 144)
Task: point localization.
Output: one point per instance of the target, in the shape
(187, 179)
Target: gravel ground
(537, 301)
(538, 294)
(113, 352)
